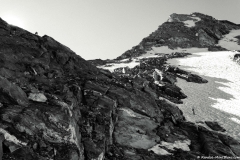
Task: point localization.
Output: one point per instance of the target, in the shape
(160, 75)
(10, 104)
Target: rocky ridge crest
(184, 31)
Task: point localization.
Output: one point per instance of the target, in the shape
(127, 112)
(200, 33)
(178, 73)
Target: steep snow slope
(219, 99)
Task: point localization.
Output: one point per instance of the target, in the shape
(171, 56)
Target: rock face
(56, 105)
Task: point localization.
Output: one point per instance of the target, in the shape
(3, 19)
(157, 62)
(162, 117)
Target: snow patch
(183, 145)
(229, 42)
(159, 151)
(191, 23)
(124, 60)
(219, 99)
(155, 52)
(235, 120)
(112, 66)
(165, 50)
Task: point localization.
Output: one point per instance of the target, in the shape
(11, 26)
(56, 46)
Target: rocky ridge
(204, 32)
(56, 105)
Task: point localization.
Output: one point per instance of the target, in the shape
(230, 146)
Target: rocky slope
(185, 31)
(55, 105)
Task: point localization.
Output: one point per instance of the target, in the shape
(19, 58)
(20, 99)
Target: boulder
(215, 126)
(11, 93)
(38, 97)
(213, 146)
(236, 56)
(195, 78)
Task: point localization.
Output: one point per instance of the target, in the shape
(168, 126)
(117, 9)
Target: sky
(106, 28)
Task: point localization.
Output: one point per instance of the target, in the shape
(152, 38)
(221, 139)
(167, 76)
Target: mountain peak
(184, 31)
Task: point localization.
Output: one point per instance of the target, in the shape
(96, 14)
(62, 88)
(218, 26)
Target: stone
(195, 78)
(215, 126)
(213, 146)
(172, 109)
(38, 97)
(236, 56)
(35, 146)
(12, 93)
(42, 144)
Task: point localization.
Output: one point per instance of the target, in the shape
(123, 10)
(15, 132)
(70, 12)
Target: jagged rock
(161, 76)
(11, 146)
(135, 130)
(236, 56)
(12, 93)
(38, 97)
(232, 143)
(205, 39)
(213, 146)
(173, 69)
(93, 151)
(195, 78)
(215, 126)
(185, 75)
(173, 91)
(171, 108)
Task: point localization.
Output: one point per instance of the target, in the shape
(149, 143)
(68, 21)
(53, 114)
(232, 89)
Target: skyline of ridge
(106, 29)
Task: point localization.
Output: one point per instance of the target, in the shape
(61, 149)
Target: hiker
(193, 111)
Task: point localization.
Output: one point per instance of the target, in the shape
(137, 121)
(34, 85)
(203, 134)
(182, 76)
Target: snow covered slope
(219, 99)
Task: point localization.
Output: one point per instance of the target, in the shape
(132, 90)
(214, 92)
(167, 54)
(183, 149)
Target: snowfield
(166, 50)
(219, 99)
(112, 66)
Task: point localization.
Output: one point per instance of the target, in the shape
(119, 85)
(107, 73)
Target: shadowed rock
(12, 93)
(215, 126)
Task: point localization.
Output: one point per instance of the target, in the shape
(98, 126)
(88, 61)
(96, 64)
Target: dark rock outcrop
(215, 126)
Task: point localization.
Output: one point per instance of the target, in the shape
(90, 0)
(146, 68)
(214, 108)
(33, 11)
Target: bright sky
(106, 28)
